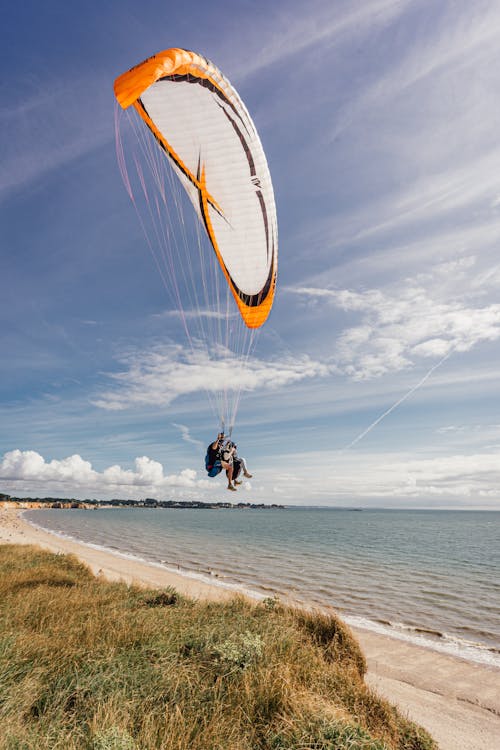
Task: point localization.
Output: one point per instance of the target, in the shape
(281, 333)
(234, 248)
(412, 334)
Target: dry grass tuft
(334, 637)
(91, 665)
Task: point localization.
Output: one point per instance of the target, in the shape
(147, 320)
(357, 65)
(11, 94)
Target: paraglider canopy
(204, 128)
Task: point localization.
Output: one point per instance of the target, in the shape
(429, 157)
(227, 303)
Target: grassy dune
(91, 665)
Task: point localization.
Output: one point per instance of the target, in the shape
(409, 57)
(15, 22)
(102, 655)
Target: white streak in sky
(394, 406)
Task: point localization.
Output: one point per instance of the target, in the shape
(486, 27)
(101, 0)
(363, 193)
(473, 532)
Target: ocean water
(430, 577)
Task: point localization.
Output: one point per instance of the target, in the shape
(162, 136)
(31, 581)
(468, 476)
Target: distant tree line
(148, 502)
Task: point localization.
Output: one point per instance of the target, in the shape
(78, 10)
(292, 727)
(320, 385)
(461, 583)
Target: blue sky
(380, 121)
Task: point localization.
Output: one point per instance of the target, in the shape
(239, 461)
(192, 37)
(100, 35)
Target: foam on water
(442, 642)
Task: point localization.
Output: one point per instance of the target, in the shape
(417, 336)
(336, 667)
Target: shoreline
(457, 701)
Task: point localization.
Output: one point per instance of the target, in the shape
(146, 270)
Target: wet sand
(456, 701)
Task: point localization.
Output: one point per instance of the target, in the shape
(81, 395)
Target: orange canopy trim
(130, 85)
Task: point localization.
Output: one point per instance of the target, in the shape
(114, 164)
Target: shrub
(113, 739)
(240, 650)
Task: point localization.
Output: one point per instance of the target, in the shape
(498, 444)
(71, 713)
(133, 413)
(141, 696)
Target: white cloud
(159, 376)
(18, 464)
(74, 473)
(471, 436)
(462, 476)
(476, 243)
(328, 478)
(402, 325)
(186, 435)
(29, 474)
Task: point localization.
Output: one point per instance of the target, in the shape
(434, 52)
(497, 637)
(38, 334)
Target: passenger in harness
(215, 462)
(230, 450)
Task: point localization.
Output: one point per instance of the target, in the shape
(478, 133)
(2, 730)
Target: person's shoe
(237, 481)
(231, 487)
(247, 475)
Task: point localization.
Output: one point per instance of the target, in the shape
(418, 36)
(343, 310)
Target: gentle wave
(445, 643)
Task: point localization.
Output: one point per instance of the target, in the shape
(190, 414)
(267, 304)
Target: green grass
(91, 665)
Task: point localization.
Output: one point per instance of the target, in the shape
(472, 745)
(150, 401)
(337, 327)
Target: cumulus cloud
(18, 464)
(461, 475)
(159, 376)
(74, 473)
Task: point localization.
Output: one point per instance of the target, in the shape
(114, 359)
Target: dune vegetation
(87, 664)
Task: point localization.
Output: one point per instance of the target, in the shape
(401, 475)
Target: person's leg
(229, 474)
(230, 484)
(243, 463)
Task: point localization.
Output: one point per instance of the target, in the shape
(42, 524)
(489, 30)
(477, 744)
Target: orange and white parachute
(207, 137)
(203, 126)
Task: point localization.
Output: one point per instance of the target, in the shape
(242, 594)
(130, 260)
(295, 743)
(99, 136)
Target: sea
(429, 577)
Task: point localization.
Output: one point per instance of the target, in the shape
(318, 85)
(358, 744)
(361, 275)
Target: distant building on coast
(149, 502)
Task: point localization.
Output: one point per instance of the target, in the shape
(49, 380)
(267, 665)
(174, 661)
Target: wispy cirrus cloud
(443, 41)
(473, 183)
(159, 376)
(315, 25)
(417, 137)
(447, 210)
(456, 246)
(48, 128)
(186, 435)
(467, 435)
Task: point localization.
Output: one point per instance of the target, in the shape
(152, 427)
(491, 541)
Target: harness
(213, 461)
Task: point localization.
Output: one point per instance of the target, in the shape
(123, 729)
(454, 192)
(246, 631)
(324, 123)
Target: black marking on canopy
(250, 300)
(192, 78)
(264, 216)
(246, 147)
(253, 173)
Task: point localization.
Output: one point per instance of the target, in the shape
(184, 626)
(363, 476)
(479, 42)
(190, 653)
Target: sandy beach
(456, 701)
